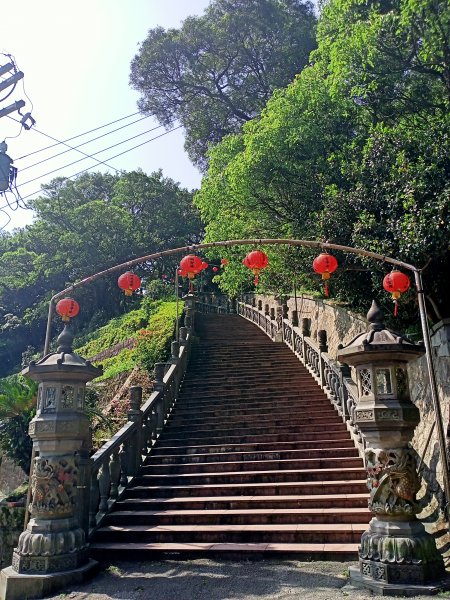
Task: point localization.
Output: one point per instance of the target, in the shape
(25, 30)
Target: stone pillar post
(189, 302)
(396, 553)
(183, 336)
(323, 347)
(54, 540)
(175, 353)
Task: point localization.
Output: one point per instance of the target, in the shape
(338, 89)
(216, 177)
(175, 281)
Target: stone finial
(375, 316)
(65, 340)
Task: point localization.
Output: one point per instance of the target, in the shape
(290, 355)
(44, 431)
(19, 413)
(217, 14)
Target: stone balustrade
(119, 460)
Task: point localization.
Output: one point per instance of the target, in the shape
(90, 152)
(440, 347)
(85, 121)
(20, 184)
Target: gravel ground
(222, 580)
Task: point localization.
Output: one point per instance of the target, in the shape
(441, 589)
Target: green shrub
(150, 328)
(17, 408)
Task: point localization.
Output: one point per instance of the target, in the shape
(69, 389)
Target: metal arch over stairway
(253, 459)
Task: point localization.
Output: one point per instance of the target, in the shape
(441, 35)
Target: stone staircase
(253, 460)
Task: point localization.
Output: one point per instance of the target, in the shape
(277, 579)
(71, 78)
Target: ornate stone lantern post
(396, 553)
(52, 551)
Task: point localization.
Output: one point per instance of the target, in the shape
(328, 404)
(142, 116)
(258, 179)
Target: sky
(76, 61)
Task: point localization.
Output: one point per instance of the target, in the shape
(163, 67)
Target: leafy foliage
(149, 329)
(17, 408)
(354, 151)
(218, 70)
(81, 227)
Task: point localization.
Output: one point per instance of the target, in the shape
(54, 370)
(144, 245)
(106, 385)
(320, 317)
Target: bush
(150, 328)
(17, 408)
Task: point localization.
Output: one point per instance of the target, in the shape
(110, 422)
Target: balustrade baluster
(94, 499)
(114, 471)
(104, 485)
(123, 457)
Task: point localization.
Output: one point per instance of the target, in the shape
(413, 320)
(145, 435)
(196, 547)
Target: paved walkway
(222, 580)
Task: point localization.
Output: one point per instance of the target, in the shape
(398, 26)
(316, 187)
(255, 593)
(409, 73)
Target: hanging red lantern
(129, 282)
(224, 262)
(256, 260)
(215, 269)
(191, 265)
(67, 308)
(325, 264)
(397, 283)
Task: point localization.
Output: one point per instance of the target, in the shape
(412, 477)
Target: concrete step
(349, 486)
(281, 516)
(341, 441)
(150, 551)
(243, 502)
(280, 436)
(305, 533)
(225, 457)
(253, 465)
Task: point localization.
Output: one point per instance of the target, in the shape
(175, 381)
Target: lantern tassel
(256, 280)
(327, 291)
(395, 308)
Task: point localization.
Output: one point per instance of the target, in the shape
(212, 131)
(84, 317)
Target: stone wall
(341, 326)
(11, 476)
(11, 526)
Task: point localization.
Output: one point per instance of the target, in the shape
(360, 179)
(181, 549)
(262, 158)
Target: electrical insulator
(5, 167)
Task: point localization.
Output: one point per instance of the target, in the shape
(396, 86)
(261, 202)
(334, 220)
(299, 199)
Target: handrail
(118, 462)
(332, 376)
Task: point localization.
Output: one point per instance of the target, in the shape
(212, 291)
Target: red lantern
(256, 260)
(397, 283)
(325, 264)
(67, 308)
(215, 269)
(129, 282)
(191, 265)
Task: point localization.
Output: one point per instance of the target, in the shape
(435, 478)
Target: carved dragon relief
(393, 482)
(52, 487)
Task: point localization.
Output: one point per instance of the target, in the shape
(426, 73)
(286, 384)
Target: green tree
(354, 151)
(17, 408)
(82, 227)
(218, 70)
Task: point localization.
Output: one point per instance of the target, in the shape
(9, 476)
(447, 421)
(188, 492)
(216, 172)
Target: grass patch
(150, 328)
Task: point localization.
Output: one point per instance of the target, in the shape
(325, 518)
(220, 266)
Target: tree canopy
(354, 151)
(81, 227)
(218, 70)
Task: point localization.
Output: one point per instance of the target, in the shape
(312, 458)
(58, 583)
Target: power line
(64, 143)
(88, 142)
(110, 158)
(79, 135)
(90, 156)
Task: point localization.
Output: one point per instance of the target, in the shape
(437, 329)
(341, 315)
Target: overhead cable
(80, 135)
(92, 156)
(110, 158)
(88, 142)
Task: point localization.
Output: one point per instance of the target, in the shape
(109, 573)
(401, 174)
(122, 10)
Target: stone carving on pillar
(396, 551)
(393, 481)
(54, 539)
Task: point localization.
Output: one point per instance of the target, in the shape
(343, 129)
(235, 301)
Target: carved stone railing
(214, 304)
(332, 376)
(118, 461)
(266, 322)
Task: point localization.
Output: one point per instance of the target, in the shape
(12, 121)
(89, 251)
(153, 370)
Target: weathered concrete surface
(11, 526)
(11, 476)
(221, 580)
(17, 586)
